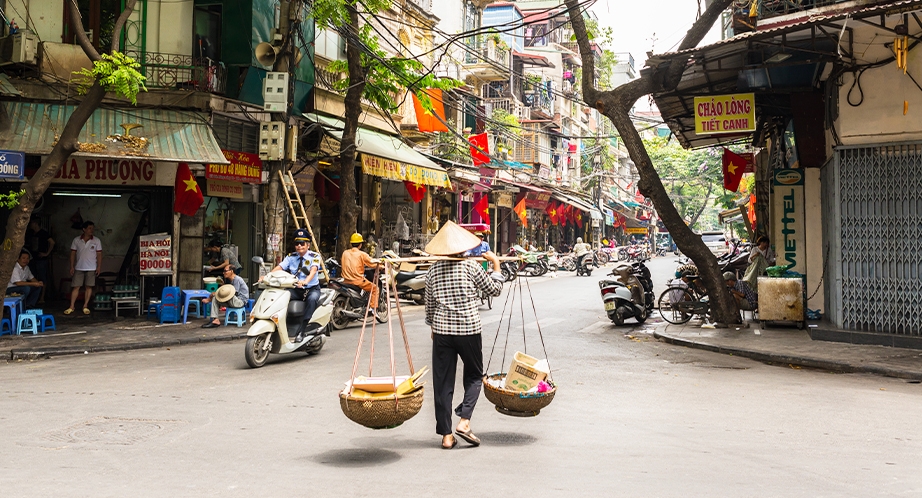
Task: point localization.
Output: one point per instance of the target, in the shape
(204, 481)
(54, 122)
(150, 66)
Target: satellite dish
(266, 53)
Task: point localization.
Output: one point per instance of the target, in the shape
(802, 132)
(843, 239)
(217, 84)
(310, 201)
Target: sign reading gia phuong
(244, 167)
(725, 114)
(12, 165)
(400, 171)
(156, 254)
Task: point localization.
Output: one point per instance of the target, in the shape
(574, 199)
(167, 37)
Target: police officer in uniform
(308, 286)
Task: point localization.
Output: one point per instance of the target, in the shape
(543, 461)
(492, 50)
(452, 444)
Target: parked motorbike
(630, 295)
(275, 317)
(533, 263)
(350, 301)
(567, 262)
(411, 284)
(510, 270)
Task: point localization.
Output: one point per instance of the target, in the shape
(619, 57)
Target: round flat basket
(381, 413)
(514, 403)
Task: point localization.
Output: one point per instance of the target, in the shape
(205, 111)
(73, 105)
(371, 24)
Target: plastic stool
(43, 322)
(27, 323)
(153, 308)
(198, 308)
(236, 316)
(6, 326)
(250, 304)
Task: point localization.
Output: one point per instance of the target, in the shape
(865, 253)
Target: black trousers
(445, 352)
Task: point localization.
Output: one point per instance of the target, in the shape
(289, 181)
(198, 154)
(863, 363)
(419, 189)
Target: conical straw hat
(225, 292)
(451, 239)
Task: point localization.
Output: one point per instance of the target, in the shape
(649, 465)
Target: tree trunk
(67, 144)
(616, 105)
(348, 208)
(704, 205)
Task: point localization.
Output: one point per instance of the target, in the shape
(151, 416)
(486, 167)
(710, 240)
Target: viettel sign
(789, 177)
(725, 114)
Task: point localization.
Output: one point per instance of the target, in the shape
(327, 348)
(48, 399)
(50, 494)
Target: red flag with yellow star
(520, 211)
(417, 191)
(551, 211)
(188, 195)
(482, 207)
(734, 165)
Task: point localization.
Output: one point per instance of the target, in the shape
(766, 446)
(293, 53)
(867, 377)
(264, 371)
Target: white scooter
(275, 316)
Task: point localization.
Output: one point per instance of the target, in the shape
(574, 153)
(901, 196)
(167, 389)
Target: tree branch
(76, 23)
(692, 38)
(120, 23)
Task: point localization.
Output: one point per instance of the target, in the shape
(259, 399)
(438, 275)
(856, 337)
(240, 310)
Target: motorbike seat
(351, 286)
(403, 276)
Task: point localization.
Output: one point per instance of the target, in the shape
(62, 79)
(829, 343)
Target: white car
(716, 242)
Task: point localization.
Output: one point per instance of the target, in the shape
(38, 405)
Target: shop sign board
(718, 114)
(503, 199)
(107, 171)
(535, 200)
(400, 171)
(224, 188)
(632, 231)
(12, 165)
(156, 254)
(244, 167)
(788, 219)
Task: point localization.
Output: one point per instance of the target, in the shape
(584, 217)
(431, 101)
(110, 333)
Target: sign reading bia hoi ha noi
(725, 114)
(244, 167)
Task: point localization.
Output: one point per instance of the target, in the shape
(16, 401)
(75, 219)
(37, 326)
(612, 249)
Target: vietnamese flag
(417, 191)
(482, 207)
(734, 166)
(188, 194)
(480, 149)
(520, 210)
(551, 211)
(428, 120)
(579, 219)
(562, 214)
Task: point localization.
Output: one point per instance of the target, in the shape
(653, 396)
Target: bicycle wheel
(667, 301)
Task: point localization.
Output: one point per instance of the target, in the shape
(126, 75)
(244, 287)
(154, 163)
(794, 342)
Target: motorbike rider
(582, 250)
(354, 262)
(308, 286)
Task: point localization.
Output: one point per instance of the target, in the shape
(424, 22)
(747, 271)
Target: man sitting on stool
(746, 300)
(23, 282)
(232, 295)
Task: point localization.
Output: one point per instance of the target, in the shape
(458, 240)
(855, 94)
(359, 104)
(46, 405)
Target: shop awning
(173, 136)
(533, 59)
(388, 157)
(581, 204)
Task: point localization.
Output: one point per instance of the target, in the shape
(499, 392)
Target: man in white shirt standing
(85, 262)
(23, 282)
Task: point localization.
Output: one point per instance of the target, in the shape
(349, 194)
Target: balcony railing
(487, 52)
(510, 105)
(181, 72)
(772, 8)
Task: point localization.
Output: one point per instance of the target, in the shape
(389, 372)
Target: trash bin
(783, 299)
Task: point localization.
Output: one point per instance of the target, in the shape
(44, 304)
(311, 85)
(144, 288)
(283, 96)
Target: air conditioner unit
(19, 48)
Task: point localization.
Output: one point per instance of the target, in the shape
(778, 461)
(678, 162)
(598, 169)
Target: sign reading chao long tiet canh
(725, 114)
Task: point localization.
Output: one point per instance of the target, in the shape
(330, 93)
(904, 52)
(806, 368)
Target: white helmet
(579, 240)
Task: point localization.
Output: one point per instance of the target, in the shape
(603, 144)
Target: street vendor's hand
(492, 258)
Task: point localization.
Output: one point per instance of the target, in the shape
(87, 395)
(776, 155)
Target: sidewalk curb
(40, 353)
(832, 365)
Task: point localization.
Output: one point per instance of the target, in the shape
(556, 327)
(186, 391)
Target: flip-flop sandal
(469, 437)
(454, 442)
(86, 311)
(68, 311)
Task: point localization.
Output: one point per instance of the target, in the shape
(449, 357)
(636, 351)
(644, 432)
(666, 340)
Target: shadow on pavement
(357, 457)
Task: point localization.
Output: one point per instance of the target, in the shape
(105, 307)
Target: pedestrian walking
(453, 290)
(85, 262)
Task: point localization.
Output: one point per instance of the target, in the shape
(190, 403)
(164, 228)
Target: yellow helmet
(356, 239)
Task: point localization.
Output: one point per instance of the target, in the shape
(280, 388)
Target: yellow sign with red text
(720, 114)
(396, 170)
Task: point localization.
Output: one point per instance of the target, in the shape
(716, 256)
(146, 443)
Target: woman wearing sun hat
(453, 290)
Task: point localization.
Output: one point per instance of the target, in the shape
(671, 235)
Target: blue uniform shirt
(293, 263)
(484, 247)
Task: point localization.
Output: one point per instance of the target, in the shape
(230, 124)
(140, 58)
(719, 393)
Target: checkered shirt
(750, 296)
(453, 290)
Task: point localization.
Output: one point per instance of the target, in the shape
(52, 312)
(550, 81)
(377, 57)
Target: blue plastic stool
(236, 316)
(250, 304)
(43, 322)
(195, 303)
(153, 308)
(27, 323)
(6, 326)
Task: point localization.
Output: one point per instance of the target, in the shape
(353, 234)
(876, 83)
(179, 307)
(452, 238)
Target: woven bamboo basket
(381, 413)
(516, 403)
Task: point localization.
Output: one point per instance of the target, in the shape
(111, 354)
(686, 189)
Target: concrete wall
(813, 227)
(47, 17)
(879, 117)
(169, 26)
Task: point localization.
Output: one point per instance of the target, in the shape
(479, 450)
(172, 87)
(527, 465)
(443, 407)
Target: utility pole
(274, 210)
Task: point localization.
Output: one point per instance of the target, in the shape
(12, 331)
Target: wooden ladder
(299, 214)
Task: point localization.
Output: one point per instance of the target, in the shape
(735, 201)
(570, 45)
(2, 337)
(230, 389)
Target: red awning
(534, 60)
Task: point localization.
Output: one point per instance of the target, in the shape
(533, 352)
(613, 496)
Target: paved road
(633, 417)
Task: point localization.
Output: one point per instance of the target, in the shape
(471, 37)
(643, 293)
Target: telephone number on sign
(157, 264)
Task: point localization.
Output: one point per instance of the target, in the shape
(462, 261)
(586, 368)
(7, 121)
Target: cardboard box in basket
(525, 372)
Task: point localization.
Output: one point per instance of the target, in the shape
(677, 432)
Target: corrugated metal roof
(175, 136)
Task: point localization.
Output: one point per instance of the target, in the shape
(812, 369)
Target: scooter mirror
(257, 259)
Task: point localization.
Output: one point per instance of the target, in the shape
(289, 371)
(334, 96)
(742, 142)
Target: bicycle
(678, 304)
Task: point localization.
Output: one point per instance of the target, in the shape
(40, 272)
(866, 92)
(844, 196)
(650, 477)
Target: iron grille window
(236, 134)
